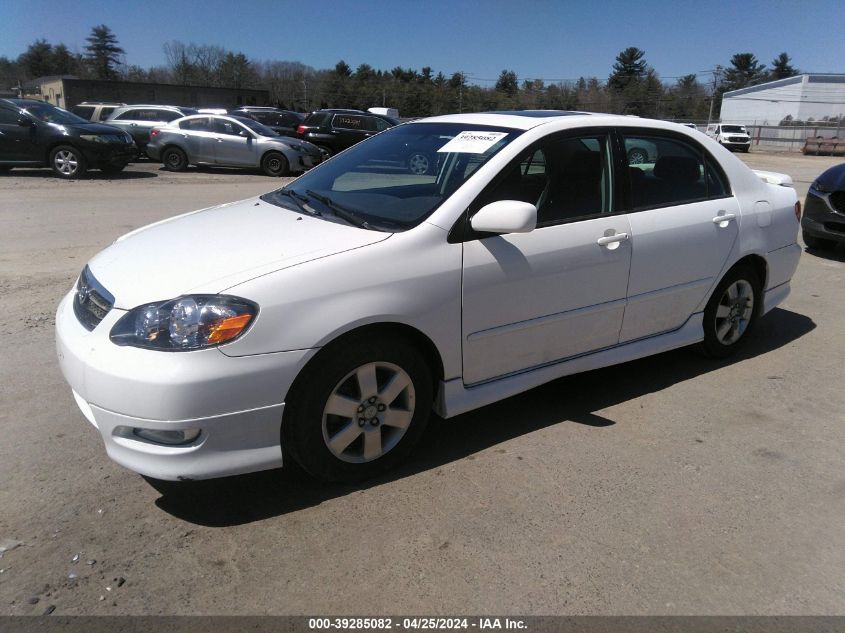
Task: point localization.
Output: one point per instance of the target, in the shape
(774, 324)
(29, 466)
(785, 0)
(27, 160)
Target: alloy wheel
(734, 312)
(66, 162)
(368, 412)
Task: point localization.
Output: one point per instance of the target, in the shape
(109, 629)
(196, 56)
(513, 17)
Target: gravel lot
(671, 485)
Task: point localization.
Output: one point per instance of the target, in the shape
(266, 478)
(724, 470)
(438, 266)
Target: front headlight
(186, 323)
(95, 138)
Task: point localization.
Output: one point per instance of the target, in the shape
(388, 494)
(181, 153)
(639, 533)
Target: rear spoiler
(774, 178)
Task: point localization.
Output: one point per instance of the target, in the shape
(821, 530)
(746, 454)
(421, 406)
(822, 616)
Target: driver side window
(566, 178)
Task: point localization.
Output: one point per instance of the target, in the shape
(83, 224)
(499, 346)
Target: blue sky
(537, 39)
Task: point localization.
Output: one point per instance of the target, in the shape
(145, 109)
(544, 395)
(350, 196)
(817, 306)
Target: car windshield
(51, 114)
(736, 129)
(396, 179)
(255, 126)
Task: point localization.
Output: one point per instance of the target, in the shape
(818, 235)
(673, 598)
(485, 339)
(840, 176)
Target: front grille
(835, 227)
(92, 302)
(837, 201)
(738, 139)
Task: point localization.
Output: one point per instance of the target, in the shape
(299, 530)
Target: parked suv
(283, 122)
(95, 110)
(138, 120)
(731, 136)
(335, 130)
(37, 134)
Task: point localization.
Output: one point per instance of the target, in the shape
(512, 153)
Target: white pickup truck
(731, 136)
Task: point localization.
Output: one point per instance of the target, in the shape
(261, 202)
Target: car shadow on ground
(94, 174)
(835, 254)
(254, 497)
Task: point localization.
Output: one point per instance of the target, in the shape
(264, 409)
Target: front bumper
(236, 402)
(109, 153)
(821, 220)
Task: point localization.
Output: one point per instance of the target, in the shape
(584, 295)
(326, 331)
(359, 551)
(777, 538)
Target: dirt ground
(670, 485)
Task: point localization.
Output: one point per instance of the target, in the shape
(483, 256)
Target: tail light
(798, 210)
(300, 129)
(154, 132)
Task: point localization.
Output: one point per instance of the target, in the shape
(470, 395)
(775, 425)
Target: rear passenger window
(196, 125)
(665, 172)
(349, 122)
(105, 113)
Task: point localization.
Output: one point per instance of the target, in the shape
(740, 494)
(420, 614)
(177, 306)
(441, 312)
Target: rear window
(353, 122)
(84, 111)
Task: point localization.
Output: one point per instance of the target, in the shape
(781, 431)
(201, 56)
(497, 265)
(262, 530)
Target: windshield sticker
(473, 142)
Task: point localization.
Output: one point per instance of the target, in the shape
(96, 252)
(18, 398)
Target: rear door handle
(723, 219)
(612, 239)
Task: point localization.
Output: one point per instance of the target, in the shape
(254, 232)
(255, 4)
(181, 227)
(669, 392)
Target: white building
(809, 97)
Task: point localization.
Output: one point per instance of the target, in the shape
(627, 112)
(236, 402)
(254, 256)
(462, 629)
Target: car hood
(93, 128)
(213, 249)
(833, 179)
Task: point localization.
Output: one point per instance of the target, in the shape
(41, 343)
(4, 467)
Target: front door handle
(722, 219)
(612, 239)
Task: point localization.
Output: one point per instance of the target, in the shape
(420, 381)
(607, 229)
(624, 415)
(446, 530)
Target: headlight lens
(95, 138)
(186, 323)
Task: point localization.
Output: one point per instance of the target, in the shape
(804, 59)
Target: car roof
(157, 106)
(516, 119)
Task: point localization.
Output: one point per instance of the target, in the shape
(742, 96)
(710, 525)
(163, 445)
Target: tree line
(632, 87)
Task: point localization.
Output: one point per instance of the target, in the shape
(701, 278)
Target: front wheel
(68, 162)
(274, 164)
(358, 409)
(731, 312)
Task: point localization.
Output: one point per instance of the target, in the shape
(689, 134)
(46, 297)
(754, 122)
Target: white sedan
(333, 316)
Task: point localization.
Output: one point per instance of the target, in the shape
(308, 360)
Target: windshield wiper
(298, 199)
(340, 211)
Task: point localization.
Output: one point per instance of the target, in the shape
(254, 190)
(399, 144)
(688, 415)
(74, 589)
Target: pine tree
(781, 68)
(103, 53)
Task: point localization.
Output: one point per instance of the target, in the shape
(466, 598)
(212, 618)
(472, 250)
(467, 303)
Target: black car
(335, 130)
(823, 222)
(37, 134)
(282, 122)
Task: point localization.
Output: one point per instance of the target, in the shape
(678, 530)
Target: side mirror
(25, 122)
(505, 216)
(244, 134)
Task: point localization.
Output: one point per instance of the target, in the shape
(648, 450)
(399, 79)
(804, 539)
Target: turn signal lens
(228, 328)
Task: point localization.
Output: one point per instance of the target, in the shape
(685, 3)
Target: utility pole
(717, 71)
(461, 92)
(305, 91)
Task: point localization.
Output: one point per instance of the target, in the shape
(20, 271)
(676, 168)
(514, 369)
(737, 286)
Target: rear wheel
(731, 312)
(174, 159)
(817, 242)
(359, 409)
(274, 164)
(68, 162)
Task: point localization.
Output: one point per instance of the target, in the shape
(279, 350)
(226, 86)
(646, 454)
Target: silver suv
(229, 141)
(95, 110)
(138, 120)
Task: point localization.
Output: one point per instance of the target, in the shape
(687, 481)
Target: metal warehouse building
(809, 97)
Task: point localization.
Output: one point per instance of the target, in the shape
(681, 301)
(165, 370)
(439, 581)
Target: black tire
(740, 320)
(745, 150)
(113, 169)
(274, 164)
(637, 156)
(307, 428)
(421, 163)
(174, 159)
(68, 162)
(817, 243)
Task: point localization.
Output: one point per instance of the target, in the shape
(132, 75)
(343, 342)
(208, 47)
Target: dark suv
(335, 130)
(37, 134)
(283, 122)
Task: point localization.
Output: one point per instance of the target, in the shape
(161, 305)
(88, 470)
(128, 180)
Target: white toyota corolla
(332, 316)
